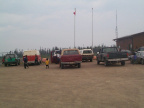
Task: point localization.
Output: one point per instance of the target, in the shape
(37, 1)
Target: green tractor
(11, 59)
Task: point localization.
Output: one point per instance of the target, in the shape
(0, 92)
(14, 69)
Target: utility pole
(92, 28)
(74, 25)
(116, 30)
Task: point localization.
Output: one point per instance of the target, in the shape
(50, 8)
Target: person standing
(25, 62)
(36, 59)
(47, 63)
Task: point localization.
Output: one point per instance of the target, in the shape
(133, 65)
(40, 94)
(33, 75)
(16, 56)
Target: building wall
(138, 41)
(124, 43)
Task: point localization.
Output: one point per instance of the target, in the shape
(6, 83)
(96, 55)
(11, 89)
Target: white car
(139, 57)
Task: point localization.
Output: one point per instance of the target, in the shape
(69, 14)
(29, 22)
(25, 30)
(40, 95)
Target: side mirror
(97, 52)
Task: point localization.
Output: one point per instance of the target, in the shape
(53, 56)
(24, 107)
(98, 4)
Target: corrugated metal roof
(129, 36)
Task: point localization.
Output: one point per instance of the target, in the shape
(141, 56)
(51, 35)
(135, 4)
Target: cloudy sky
(29, 24)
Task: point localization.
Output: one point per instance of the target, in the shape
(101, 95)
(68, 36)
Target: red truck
(33, 56)
(55, 56)
(70, 57)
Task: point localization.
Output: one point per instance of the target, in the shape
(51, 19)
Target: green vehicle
(11, 59)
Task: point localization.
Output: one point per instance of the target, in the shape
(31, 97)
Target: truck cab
(11, 59)
(70, 57)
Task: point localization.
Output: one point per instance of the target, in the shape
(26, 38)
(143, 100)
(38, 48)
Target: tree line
(46, 52)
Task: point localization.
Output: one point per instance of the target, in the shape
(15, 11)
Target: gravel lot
(91, 86)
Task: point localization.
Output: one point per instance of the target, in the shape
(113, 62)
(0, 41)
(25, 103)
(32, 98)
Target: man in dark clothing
(36, 59)
(25, 62)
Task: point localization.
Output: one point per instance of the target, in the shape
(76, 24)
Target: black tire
(79, 65)
(16, 63)
(106, 63)
(91, 60)
(5, 65)
(62, 66)
(122, 63)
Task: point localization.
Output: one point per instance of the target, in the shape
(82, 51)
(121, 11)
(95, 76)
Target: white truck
(87, 54)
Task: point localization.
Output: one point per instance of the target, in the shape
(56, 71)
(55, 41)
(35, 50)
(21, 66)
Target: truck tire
(122, 63)
(16, 63)
(5, 65)
(79, 65)
(62, 66)
(91, 60)
(106, 63)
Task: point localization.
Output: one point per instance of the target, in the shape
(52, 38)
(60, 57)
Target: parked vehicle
(140, 49)
(111, 55)
(70, 57)
(129, 53)
(55, 56)
(33, 56)
(87, 54)
(11, 59)
(139, 57)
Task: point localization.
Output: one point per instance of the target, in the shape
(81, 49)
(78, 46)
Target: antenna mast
(116, 30)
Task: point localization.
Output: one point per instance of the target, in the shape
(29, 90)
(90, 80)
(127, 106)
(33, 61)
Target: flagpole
(74, 27)
(92, 28)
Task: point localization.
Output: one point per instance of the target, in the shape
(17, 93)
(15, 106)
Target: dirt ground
(91, 86)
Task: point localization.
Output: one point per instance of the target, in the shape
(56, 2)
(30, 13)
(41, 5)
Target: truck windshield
(9, 56)
(70, 52)
(105, 50)
(87, 51)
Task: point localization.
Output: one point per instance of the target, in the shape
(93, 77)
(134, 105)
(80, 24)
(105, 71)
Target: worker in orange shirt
(47, 63)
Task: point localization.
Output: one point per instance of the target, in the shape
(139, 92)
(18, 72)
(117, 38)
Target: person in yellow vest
(47, 63)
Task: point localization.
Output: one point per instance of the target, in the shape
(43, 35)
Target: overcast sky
(29, 24)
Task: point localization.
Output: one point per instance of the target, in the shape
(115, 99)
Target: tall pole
(92, 28)
(116, 26)
(74, 26)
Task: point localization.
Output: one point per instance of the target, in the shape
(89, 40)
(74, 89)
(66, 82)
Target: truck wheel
(19, 63)
(91, 60)
(16, 63)
(5, 65)
(79, 65)
(62, 66)
(106, 63)
(122, 63)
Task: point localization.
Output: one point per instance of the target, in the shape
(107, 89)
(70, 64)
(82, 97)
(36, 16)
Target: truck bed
(115, 55)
